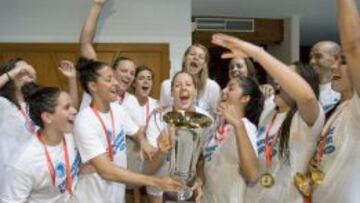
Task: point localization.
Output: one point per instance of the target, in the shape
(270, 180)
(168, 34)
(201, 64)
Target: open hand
(67, 68)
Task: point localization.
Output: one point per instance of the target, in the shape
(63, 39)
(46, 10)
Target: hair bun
(30, 89)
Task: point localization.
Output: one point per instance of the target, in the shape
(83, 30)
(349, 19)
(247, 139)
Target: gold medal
(317, 176)
(303, 184)
(267, 180)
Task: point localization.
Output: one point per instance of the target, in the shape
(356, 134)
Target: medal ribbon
(147, 111)
(107, 135)
(270, 146)
(51, 166)
(27, 120)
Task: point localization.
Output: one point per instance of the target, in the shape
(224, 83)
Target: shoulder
(212, 84)
(25, 154)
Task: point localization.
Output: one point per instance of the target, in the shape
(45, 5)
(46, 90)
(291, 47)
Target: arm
(109, 171)
(146, 148)
(249, 167)
(13, 74)
(88, 31)
(349, 28)
(67, 68)
(292, 83)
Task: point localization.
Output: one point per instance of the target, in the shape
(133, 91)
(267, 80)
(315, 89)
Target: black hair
(312, 78)
(118, 60)
(142, 68)
(256, 104)
(88, 70)
(42, 99)
(8, 90)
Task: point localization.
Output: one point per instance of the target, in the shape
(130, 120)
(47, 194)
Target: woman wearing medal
(16, 79)
(46, 167)
(288, 126)
(335, 166)
(230, 155)
(100, 131)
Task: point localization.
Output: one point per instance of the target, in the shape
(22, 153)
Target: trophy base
(183, 196)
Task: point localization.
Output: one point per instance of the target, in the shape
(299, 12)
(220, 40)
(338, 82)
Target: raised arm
(67, 68)
(88, 31)
(349, 28)
(292, 83)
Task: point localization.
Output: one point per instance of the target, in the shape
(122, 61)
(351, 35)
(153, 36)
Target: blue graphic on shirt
(330, 145)
(260, 144)
(61, 173)
(119, 143)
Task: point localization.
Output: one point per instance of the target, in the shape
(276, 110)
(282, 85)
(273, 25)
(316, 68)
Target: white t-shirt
(27, 177)
(207, 101)
(155, 127)
(223, 181)
(341, 162)
(140, 113)
(302, 142)
(328, 97)
(91, 140)
(14, 131)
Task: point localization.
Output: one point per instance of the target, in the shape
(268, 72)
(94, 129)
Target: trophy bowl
(189, 140)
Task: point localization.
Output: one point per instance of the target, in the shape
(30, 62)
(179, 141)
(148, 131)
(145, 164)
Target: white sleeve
(251, 131)
(165, 94)
(125, 119)
(3, 107)
(215, 95)
(155, 126)
(86, 134)
(85, 101)
(17, 186)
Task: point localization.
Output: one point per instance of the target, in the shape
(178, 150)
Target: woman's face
(232, 94)
(26, 75)
(63, 117)
(340, 80)
(183, 91)
(238, 68)
(143, 83)
(106, 86)
(195, 60)
(124, 74)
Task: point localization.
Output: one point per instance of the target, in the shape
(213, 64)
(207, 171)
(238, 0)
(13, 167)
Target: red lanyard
(51, 166)
(270, 146)
(326, 131)
(27, 120)
(108, 136)
(222, 132)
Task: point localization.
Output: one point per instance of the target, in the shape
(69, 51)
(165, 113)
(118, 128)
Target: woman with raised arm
(123, 68)
(336, 158)
(46, 167)
(183, 90)
(99, 132)
(196, 62)
(288, 126)
(230, 156)
(16, 79)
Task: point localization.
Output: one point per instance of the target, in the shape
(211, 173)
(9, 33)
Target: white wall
(122, 21)
(289, 50)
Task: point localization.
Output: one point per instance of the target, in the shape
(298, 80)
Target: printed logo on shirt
(61, 173)
(119, 143)
(260, 144)
(330, 146)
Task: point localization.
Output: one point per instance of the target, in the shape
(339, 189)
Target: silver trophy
(189, 139)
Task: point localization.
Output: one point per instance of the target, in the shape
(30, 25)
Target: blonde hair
(202, 77)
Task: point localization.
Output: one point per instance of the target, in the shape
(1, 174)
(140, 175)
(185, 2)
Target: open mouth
(335, 77)
(145, 88)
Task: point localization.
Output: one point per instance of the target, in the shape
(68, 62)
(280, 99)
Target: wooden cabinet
(45, 58)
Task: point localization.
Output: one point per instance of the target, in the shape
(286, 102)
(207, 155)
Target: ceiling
(317, 17)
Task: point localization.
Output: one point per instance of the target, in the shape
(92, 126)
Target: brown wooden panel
(45, 58)
(267, 31)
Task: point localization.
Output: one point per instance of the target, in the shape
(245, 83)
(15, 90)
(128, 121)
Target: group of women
(266, 143)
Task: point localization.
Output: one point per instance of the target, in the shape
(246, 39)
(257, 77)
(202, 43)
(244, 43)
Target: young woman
(100, 131)
(184, 90)
(230, 156)
(16, 78)
(288, 126)
(245, 68)
(123, 68)
(46, 167)
(337, 152)
(195, 61)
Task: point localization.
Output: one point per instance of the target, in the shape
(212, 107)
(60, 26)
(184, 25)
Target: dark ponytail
(41, 99)
(88, 70)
